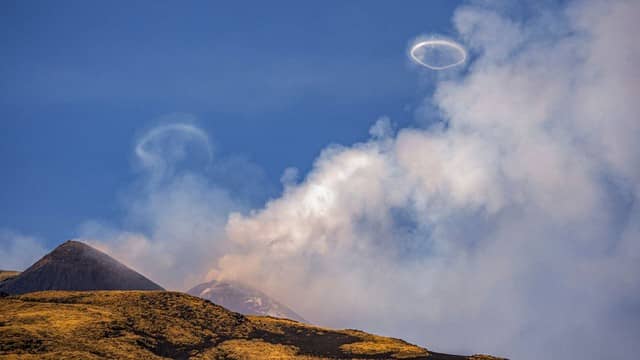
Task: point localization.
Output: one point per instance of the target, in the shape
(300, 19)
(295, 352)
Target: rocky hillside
(161, 325)
(77, 266)
(243, 299)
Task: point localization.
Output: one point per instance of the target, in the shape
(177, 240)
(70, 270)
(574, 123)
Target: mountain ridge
(161, 325)
(242, 298)
(74, 265)
(110, 316)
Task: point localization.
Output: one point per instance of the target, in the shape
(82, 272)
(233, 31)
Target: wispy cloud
(175, 214)
(18, 251)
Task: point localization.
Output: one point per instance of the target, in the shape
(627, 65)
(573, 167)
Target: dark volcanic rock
(77, 266)
(243, 299)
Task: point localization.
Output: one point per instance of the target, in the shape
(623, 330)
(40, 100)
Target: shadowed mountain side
(243, 299)
(160, 325)
(77, 266)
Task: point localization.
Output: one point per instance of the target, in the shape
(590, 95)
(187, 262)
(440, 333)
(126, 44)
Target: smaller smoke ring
(438, 42)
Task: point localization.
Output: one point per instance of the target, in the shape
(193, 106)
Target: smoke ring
(151, 159)
(438, 42)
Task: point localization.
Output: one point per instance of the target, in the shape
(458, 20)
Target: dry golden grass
(5, 274)
(114, 324)
(379, 345)
(161, 325)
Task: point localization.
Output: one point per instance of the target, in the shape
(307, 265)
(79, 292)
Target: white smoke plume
(512, 229)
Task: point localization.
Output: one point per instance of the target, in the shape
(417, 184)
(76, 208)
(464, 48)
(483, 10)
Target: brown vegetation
(160, 325)
(6, 274)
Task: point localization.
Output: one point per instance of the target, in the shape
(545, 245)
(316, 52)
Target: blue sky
(272, 83)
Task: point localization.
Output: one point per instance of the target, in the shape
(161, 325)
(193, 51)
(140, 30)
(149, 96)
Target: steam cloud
(512, 229)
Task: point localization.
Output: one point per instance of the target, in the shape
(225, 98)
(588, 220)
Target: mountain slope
(77, 266)
(160, 325)
(8, 274)
(243, 299)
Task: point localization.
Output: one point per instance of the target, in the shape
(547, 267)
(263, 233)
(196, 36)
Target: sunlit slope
(157, 325)
(8, 274)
